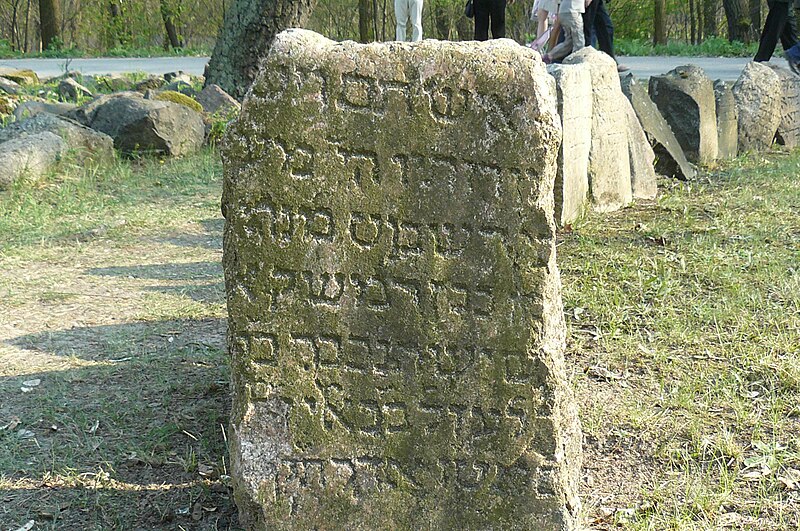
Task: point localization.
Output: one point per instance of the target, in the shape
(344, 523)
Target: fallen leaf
(28, 526)
(205, 470)
(11, 426)
(197, 511)
(25, 434)
(32, 383)
(598, 371)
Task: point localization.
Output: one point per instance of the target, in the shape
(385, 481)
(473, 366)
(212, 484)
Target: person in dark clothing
(489, 9)
(597, 23)
(779, 25)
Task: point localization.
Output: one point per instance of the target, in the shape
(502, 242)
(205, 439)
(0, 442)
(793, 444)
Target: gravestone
(574, 90)
(685, 97)
(757, 93)
(395, 321)
(727, 121)
(788, 133)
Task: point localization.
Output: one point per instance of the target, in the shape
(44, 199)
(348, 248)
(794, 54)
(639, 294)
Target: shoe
(547, 60)
(622, 68)
(793, 58)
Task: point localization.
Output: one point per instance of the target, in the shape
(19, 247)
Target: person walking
(597, 21)
(570, 14)
(779, 25)
(486, 11)
(405, 10)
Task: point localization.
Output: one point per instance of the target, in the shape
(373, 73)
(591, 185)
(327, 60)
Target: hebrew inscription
(395, 320)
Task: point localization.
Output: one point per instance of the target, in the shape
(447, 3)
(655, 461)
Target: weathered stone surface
(671, 160)
(68, 88)
(216, 101)
(685, 97)
(180, 75)
(609, 165)
(83, 142)
(150, 83)
(571, 191)
(7, 104)
(21, 77)
(758, 106)
(788, 133)
(727, 121)
(181, 86)
(138, 125)
(26, 109)
(395, 319)
(30, 156)
(114, 82)
(9, 87)
(643, 174)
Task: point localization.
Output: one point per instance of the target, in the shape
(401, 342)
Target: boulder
(216, 101)
(788, 133)
(138, 125)
(150, 83)
(727, 121)
(685, 97)
(9, 87)
(395, 318)
(571, 191)
(114, 82)
(670, 160)
(29, 156)
(180, 75)
(83, 142)
(70, 89)
(609, 161)
(26, 109)
(181, 86)
(21, 77)
(643, 174)
(757, 93)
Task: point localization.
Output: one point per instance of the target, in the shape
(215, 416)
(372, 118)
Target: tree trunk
(246, 36)
(440, 14)
(364, 20)
(755, 17)
(736, 13)
(710, 18)
(169, 14)
(50, 17)
(660, 22)
(692, 23)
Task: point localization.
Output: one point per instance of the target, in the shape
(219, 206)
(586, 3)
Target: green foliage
(180, 99)
(712, 47)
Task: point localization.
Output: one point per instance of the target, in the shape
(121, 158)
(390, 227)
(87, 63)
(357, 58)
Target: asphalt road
(725, 68)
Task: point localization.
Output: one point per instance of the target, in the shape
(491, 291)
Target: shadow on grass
(133, 439)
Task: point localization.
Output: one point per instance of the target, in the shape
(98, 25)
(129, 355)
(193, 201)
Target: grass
(711, 47)
(684, 334)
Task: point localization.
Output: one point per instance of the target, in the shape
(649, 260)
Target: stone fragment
(181, 86)
(757, 93)
(150, 83)
(7, 104)
(727, 121)
(138, 125)
(574, 89)
(84, 143)
(643, 174)
(609, 163)
(685, 97)
(29, 156)
(216, 101)
(68, 88)
(9, 87)
(670, 160)
(114, 82)
(26, 109)
(21, 77)
(395, 320)
(180, 75)
(788, 133)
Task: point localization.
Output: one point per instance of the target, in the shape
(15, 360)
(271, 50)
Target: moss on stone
(180, 99)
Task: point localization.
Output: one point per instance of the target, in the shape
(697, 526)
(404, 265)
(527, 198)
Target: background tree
(660, 22)
(737, 14)
(50, 19)
(170, 13)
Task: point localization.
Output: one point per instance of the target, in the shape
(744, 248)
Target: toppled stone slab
(27, 109)
(727, 121)
(68, 88)
(9, 87)
(21, 77)
(644, 184)
(758, 105)
(395, 323)
(670, 161)
(788, 133)
(29, 156)
(685, 97)
(138, 125)
(609, 163)
(216, 101)
(571, 192)
(83, 142)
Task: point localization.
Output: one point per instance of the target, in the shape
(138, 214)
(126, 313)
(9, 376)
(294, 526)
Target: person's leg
(578, 38)
(498, 14)
(401, 14)
(588, 21)
(416, 20)
(777, 17)
(789, 33)
(568, 24)
(604, 29)
(481, 8)
(541, 17)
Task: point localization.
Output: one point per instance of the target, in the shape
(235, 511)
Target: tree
(246, 36)
(660, 22)
(170, 12)
(737, 15)
(50, 15)
(710, 18)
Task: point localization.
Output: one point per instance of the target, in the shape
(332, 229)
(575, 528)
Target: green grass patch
(711, 47)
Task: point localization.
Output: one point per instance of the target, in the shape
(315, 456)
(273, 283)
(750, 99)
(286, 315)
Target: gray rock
(396, 325)
(21, 77)
(29, 156)
(84, 143)
(727, 121)
(685, 97)
(26, 109)
(150, 83)
(216, 101)
(114, 82)
(180, 75)
(788, 133)
(70, 89)
(9, 87)
(138, 125)
(643, 174)
(571, 192)
(609, 161)
(671, 160)
(181, 86)
(757, 93)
